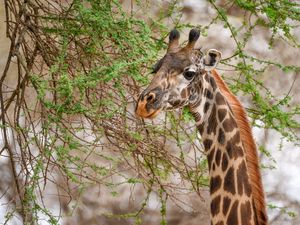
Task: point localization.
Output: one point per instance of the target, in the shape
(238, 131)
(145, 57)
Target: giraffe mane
(250, 149)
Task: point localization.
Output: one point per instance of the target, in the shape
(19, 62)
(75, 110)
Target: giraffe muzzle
(148, 105)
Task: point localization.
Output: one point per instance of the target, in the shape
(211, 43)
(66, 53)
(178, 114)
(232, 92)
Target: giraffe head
(179, 77)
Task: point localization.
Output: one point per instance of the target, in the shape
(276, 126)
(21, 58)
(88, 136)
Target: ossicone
(193, 37)
(173, 40)
(174, 35)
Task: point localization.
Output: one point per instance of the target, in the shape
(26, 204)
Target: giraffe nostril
(150, 97)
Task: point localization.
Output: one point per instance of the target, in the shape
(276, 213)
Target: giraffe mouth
(146, 115)
(153, 114)
(150, 111)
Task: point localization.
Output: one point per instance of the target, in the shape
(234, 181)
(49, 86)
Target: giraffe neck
(230, 188)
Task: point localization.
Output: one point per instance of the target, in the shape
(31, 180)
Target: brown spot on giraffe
(200, 128)
(226, 205)
(210, 157)
(243, 180)
(220, 99)
(218, 157)
(213, 84)
(232, 149)
(233, 214)
(206, 107)
(224, 162)
(183, 93)
(221, 136)
(229, 181)
(215, 184)
(206, 78)
(246, 213)
(221, 114)
(212, 126)
(215, 205)
(229, 125)
(207, 144)
(176, 103)
(236, 139)
(208, 94)
(214, 166)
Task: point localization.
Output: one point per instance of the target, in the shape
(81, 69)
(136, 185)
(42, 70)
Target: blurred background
(72, 150)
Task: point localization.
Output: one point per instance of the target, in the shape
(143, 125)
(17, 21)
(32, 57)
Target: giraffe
(187, 77)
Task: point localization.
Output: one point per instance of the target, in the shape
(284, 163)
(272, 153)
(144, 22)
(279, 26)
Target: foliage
(81, 66)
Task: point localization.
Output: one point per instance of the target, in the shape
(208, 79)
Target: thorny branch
(48, 146)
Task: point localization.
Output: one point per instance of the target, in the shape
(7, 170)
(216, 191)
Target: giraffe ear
(173, 40)
(211, 59)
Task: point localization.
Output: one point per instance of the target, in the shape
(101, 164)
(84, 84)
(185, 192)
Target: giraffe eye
(189, 74)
